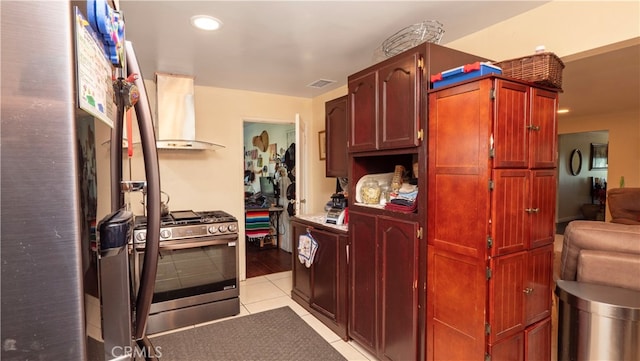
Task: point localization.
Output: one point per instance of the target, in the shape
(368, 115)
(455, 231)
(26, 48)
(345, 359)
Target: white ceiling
(282, 46)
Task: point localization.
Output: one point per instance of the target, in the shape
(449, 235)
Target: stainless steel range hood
(176, 114)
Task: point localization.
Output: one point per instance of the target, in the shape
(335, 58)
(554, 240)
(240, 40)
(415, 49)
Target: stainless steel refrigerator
(46, 201)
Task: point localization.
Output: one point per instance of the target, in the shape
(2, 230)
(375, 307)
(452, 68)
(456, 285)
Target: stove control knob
(212, 229)
(141, 236)
(233, 227)
(223, 228)
(165, 233)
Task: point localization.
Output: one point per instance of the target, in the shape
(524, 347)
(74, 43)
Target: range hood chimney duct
(176, 114)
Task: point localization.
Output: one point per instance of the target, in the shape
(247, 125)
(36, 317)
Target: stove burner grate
(188, 217)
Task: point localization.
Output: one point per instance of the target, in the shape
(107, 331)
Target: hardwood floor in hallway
(262, 262)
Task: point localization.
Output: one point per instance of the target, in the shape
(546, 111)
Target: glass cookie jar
(370, 192)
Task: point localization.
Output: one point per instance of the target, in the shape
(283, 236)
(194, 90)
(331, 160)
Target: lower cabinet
(363, 318)
(322, 288)
(505, 302)
(384, 296)
(520, 304)
(535, 341)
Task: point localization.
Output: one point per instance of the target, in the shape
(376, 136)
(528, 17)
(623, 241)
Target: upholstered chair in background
(601, 252)
(624, 205)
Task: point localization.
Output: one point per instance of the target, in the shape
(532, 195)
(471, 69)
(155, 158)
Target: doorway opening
(582, 177)
(269, 168)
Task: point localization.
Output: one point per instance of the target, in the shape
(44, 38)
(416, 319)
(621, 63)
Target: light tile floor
(272, 291)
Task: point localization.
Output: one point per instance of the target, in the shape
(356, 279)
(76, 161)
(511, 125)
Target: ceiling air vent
(321, 83)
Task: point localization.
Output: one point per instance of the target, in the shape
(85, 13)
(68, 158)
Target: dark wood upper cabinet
(386, 100)
(399, 95)
(336, 125)
(363, 95)
(385, 104)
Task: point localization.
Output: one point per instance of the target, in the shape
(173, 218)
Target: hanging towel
(307, 247)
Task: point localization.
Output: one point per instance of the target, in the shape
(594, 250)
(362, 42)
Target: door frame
(242, 252)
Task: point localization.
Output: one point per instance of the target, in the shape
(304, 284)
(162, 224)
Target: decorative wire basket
(426, 31)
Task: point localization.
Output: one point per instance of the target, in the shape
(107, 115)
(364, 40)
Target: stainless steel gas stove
(197, 278)
(181, 225)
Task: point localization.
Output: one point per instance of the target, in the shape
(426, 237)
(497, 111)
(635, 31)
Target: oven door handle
(218, 241)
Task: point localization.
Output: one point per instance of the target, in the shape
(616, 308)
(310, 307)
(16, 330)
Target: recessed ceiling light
(563, 111)
(206, 22)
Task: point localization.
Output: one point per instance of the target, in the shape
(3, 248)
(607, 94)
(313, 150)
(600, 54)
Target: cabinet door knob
(527, 290)
(532, 210)
(533, 127)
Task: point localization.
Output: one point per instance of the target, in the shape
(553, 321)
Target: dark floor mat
(278, 334)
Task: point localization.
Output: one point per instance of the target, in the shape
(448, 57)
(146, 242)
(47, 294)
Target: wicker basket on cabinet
(542, 68)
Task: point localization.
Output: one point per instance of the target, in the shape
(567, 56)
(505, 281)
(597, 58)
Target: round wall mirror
(575, 162)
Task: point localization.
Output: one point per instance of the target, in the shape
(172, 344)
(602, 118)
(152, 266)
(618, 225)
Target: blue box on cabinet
(464, 72)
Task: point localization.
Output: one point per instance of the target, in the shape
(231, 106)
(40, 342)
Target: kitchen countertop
(320, 218)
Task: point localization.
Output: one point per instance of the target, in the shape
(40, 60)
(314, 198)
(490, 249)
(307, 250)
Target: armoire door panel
(506, 294)
(543, 201)
(510, 125)
(458, 177)
(509, 349)
(510, 200)
(537, 284)
(537, 341)
(363, 112)
(456, 290)
(399, 102)
(459, 129)
(543, 130)
(461, 205)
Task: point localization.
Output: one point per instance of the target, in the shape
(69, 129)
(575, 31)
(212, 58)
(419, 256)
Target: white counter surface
(321, 218)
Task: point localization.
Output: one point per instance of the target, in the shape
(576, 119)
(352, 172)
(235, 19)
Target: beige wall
(575, 190)
(624, 143)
